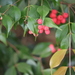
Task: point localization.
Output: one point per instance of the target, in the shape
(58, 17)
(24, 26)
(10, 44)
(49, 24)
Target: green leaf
(73, 36)
(11, 71)
(43, 11)
(30, 25)
(61, 34)
(65, 42)
(32, 13)
(48, 71)
(73, 50)
(24, 68)
(73, 27)
(7, 22)
(48, 22)
(57, 58)
(42, 49)
(15, 13)
(61, 70)
(3, 38)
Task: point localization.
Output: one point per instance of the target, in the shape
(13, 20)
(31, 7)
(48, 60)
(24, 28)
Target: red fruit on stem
(40, 31)
(54, 11)
(52, 15)
(59, 17)
(54, 20)
(46, 28)
(39, 21)
(58, 22)
(30, 32)
(65, 15)
(51, 46)
(63, 20)
(47, 32)
(40, 27)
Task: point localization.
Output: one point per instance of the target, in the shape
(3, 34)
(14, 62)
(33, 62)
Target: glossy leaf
(24, 68)
(73, 68)
(73, 36)
(48, 22)
(43, 11)
(42, 49)
(7, 22)
(73, 27)
(61, 34)
(11, 71)
(3, 38)
(65, 42)
(57, 58)
(61, 70)
(15, 13)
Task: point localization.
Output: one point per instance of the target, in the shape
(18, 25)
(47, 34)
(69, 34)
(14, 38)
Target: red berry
(54, 11)
(39, 21)
(41, 31)
(59, 17)
(40, 27)
(65, 15)
(52, 15)
(46, 28)
(58, 49)
(51, 46)
(47, 32)
(30, 32)
(54, 20)
(58, 22)
(63, 20)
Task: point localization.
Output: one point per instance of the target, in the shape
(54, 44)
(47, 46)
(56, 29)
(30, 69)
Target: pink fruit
(54, 11)
(63, 20)
(40, 27)
(59, 17)
(39, 21)
(58, 22)
(65, 15)
(46, 28)
(58, 49)
(51, 46)
(47, 32)
(54, 20)
(41, 31)
(30, 32)
(52, 15)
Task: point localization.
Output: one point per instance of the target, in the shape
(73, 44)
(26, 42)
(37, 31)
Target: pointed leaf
(73, 68)
(15, 13)
(11, 71)
(43, 10)
(73, 36)
(61, 34)
(57, 58)
(73, 27)
(65, 42)
(7, 22)
(3, 38)
(61, 70)
(48, 22)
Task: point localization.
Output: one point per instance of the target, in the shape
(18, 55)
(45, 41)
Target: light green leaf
(42, 49)
(24, 68)
(3, 38)
(48, 22)
(61, 34)
(73, 27)
(15, 13)
(11, 71)
(57, 58)
(61, 70)
(43, 10)
(73, 36)
(7, 22)
(65, 42)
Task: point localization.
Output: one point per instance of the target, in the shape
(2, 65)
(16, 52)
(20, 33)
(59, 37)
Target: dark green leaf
(65, 42)
(43, 11)
(61, 34)
(3, 38)
(11, 71)
(48, 22)
(73, 27)
(15, 13)
(7, 22)
(73, 36)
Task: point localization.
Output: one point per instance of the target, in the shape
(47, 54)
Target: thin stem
(41, 2)
(61, 8)
(69, 43)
